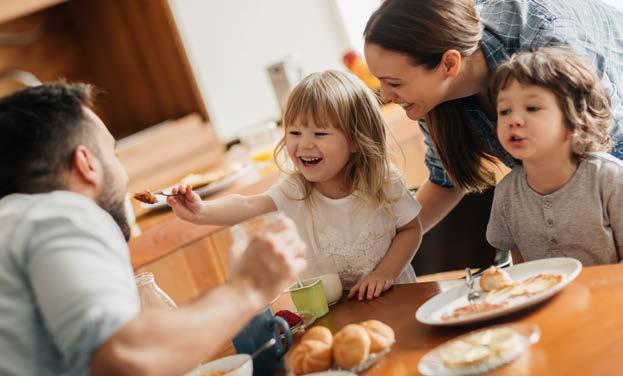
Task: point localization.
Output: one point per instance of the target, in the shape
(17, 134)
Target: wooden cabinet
(130, 49)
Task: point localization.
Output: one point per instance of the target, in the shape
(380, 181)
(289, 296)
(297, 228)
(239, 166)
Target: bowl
(234, 365)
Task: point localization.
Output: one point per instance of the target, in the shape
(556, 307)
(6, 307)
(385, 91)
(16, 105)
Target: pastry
(472, 309)
(310, 356)
(351, 346)
(495, 278)
(381, 335)
(535, 284)
(461, 354)
(319, 333)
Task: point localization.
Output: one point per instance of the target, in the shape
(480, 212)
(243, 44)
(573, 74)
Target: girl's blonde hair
(340, 100)
(424, 30)
(583, 100)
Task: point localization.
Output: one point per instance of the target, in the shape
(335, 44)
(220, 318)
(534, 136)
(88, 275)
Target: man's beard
(114, 203)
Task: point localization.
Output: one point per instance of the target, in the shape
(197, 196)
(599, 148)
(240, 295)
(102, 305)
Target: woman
(435, 57)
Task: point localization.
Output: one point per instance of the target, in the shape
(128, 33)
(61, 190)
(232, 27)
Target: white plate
(444, 303)
(432, 364)
(205, 190)
(234, 365)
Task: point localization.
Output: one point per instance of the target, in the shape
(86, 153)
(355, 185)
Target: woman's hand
(188, 205)
(371, 286)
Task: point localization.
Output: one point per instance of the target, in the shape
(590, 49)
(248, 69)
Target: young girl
(564, 197)
(346, 199)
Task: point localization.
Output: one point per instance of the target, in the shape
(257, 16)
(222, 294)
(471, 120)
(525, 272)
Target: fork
(165, 194)
(473, 296)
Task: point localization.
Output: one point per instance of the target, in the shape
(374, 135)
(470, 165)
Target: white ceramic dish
(443, 304)
(234, 365)
(206, 190)
(432, 364)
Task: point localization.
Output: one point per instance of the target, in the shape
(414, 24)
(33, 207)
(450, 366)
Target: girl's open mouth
(310, 161)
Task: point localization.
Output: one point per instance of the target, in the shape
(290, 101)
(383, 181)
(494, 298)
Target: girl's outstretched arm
(400, 253)
(225, 211)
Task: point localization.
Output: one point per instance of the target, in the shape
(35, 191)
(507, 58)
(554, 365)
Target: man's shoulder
(35, 216)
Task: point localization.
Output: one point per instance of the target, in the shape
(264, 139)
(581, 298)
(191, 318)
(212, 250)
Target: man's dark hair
(40, 128)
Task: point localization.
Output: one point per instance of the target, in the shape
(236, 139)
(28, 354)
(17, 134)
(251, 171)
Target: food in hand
(495, 278)
(381, 335)
(535, 284)
(310, 356)
(351, 346)
(319, 333)
(146, 196)
(291, 318)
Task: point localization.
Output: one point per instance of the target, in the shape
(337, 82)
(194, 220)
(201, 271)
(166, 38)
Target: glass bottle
(150, 294)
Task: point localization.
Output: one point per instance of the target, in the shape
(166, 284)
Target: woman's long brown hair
(424, 31)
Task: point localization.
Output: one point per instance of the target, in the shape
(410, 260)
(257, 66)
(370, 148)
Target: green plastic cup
(310, 297)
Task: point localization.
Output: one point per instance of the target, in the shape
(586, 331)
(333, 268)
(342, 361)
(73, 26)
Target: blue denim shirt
(591, 28)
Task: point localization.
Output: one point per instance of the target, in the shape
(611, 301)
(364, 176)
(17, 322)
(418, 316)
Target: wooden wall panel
(134, 53)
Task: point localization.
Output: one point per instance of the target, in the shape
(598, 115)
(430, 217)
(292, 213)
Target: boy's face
(531, 125)
(320, 154)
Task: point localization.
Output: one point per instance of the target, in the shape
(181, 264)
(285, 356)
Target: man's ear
(86, 165)
(451, 63)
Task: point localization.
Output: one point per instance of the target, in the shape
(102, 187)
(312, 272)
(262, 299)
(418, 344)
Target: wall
(231, 42)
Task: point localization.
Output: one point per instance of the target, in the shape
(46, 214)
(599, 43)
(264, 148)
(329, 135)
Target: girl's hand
(188, 206)
(370, 286)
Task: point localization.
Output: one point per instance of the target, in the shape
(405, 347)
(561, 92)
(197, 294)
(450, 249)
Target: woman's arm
(400, 253)
(437, 202)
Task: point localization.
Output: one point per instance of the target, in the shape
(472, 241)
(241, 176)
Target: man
(68, 301)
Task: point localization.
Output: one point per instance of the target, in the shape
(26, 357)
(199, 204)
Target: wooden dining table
(581, 327)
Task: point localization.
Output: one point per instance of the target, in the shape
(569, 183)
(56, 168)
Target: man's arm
(159, 342)
(437, 202)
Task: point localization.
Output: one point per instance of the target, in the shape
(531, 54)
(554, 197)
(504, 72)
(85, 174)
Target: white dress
(354, 233)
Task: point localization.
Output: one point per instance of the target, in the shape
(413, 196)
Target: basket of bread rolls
(355, 348)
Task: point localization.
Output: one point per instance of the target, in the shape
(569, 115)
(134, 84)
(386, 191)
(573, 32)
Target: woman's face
(417, 89)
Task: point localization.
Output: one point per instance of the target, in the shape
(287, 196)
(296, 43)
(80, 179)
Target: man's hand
(271, 262)
(371, 286)
(188, 205)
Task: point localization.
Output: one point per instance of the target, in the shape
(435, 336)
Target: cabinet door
(193, 269)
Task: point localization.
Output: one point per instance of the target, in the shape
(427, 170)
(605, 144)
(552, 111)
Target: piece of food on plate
(495, 278)
(461, 354)
(291, 318)
(319, 333)
(146, 196)
(382, 336)
(472, 309)
(501, 341)
(201, 180)
(310, 356)
(535, 284)
(351, 346)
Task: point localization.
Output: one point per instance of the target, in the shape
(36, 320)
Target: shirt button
(547, 205)
(549, 223)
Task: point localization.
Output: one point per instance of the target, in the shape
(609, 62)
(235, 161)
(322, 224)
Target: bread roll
(351, 346)
(319, 333)
(495, 278)
(381, 335)
(310, 356)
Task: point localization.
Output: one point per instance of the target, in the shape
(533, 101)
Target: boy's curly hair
(584, 101)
